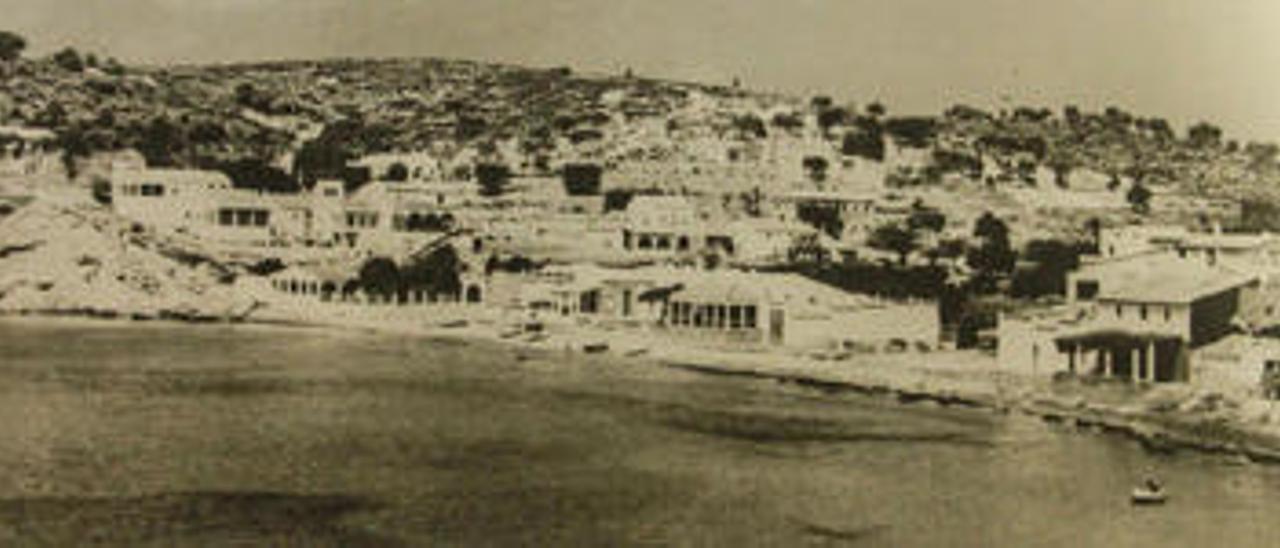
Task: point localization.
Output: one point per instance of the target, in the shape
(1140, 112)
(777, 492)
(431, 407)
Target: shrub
(911, 131)
(867, 141)
(493, 178)
(11, 46)
(582, 179)
(69, 59)
(894, 238)
(397, 172)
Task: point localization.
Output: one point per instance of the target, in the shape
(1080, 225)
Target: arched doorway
(473, 294)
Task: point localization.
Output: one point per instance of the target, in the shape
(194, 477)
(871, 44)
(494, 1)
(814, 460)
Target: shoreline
(908, 378)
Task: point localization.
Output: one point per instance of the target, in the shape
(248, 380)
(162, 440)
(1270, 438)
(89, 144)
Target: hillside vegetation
(317, 115)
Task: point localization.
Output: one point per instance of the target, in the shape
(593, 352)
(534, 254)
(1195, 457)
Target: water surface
(160, 435)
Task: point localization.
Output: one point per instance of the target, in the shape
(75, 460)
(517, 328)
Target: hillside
(316, 116)
(190, 114)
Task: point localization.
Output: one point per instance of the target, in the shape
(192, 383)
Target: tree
(1139, 198)
(582, 179)
(822, 217)
(994, 258)
(750, 124)
(493, 178)
(321, 159)
(911, 131)
(162, 142)
(988, 227)
(397, 172)
(787, 120)
(815, 167)
(876, 109)
(438, 273)
(69, 59)
(894, 238)
(1204, 135)
(256, 174)
(1052, 259)
(867, 141)
(379, 276)
(831, 117)
(11, 46)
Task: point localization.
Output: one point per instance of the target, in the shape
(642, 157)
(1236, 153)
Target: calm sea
(157, 435)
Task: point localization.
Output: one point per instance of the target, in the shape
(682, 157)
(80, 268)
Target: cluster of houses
(1159, 304)
(650, 284)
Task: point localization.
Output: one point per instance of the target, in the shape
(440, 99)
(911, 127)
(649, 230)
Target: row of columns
(1142, 362)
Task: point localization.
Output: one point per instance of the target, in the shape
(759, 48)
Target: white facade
(205, 204)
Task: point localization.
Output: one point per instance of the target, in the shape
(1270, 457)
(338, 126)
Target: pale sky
(1183, 59)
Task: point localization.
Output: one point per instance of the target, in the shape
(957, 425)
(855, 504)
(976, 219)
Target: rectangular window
(1119, 311)
(735, 317)
(260, 217)
(244, 217)
(1142, 312)
(749, 317)
(226, 217)
(1168, 314)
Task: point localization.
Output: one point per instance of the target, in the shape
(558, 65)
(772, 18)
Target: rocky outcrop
(80, 258)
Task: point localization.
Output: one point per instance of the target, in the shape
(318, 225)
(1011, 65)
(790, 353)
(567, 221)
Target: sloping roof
(1179, 282)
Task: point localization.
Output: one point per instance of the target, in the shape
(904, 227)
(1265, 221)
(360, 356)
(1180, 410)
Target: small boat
(595, 348)
(1150, 492)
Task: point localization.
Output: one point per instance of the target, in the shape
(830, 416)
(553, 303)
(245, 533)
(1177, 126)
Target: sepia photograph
(777, 273)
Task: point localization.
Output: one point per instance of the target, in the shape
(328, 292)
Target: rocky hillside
(60, 256)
